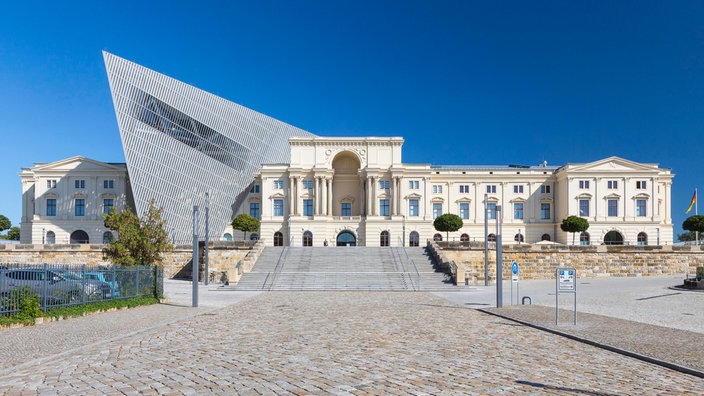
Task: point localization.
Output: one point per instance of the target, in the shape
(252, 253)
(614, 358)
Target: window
(80, 184)
(584, 207)
(108, 184)
(545, 189)
(278, 239)
(413, 184)
(51, 184)
(518, 210)
(491, 238)
(254, 236)
(413, 207)
(641, 184)
(307, 238)
(584, 184)
(518, 238)
(278, 207)
(50, 238)
(384, 238)
(642, 238)
(278, 184)
(640, 208)
(464, 188)
(437, 210)
(383, 207)
(228, 237)
(107, 237)
(80, 207)
(51, 207)
(584, 238)
(545, 211)
(491, 189)
(612, 207)
(254, 189)
(545, 237)
(384, 184)
(307, 207)
(437, 189)
(346, 209)
(491, 208)
(307, 184)
(413, 239)
(464, 210)
(612, 184)
(464, 238)
(254, 209)
(437, 237)
(518, 189)
(108, 205)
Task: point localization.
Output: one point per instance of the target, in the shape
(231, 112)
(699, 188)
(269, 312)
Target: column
(291, 195)
(369, 196)
(328, 181)
(297, 196)
(398, 195)
(324, 196)
(374, 193)
(316, 196)
(392, 196)
(361, 196)
(425, 198)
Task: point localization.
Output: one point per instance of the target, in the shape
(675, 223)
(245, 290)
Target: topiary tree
(14, 234)
(245, 223)
(574, 224)
(4, 223)
(694, 223)
(448, 222)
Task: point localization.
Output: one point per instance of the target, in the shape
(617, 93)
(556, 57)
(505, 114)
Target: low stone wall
(541, 261)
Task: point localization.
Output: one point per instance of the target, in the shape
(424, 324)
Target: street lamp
(43, 234)
(519, 236)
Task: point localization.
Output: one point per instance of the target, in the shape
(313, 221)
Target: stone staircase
(343, 268)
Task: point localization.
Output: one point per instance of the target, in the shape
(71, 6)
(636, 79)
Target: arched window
(464, 238)
(227, 237)
(307, 238)
(491, 238)
(437, 238)
(346, 238)
(518, 238)
(584, 238)
(384, 238)
(545, 237)
(413, 239)
(107, 237)
(613, 238)
(50, 238)
(278, 239)
(642, 238)
(79, 236)
(254, 236)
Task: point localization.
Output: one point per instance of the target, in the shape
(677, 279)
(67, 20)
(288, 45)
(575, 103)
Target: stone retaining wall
(540, 261)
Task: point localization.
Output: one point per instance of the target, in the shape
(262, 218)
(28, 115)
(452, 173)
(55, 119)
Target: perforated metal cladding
(181, 142)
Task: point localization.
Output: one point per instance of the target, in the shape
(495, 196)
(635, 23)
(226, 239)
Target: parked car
(104, 277)
(56, 286)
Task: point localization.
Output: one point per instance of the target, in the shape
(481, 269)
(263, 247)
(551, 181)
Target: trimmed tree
(574, 224)
(694, 224)
(139, 242)
(4, 223)
(448, 223)
(14, 234)
(245, 223)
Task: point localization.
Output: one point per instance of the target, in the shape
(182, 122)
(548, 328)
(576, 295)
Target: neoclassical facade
(357, 191)
(64, 201)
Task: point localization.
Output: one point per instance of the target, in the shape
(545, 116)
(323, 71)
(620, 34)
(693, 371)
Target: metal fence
(65, 285)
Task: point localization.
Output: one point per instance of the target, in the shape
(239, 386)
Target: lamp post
(519, 236)
(486, 241)
(499, 264)
(207, 238)
(43, 234)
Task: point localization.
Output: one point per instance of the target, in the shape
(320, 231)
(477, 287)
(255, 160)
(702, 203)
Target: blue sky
(464, 82)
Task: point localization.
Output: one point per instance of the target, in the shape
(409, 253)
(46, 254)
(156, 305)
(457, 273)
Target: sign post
(565, 282)
(514, 279)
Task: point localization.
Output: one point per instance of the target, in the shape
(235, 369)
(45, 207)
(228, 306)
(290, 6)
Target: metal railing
(60, 285)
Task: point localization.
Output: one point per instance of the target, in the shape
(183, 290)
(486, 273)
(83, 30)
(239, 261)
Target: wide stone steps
(343, 268)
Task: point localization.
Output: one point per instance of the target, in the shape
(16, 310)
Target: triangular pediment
(78, 163)
(612, 164)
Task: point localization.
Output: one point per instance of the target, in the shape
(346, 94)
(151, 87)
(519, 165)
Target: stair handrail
(415, 267)
(277, 269)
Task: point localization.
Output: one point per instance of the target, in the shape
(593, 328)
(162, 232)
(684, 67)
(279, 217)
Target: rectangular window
(464, 210)
(278, 207)
(545, 189)
(491, 189)
(80, 183)
(346, 209)
(612, 207)
(464, 188)
(518, 189)
(307, 184)
(584, 207)
(640, 208)
(254, 189)
(108, 184)
(80, 207)
(384, 184)
(491, 208)
(383, 207)
(584, 184)
(413, 184)
(413, 207)
(107, 206)
(641, 184)
(545, 211)
(307, 207)
(612, 184)
(437, 189)
(278, 184)
(437, 210)
(51, 184)
(51, 207)
(254, 209)
(518, 210)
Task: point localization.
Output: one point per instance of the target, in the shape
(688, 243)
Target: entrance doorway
(346, 238)
(613, 238)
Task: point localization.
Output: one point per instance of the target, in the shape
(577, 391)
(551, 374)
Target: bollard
(524, 300)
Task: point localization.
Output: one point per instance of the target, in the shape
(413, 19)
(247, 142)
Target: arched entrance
(79, 236)
(613, 238)
(346, 238)
(413, 239)
(346, 190)
(384, 238)
(307, 238)
(278, 239)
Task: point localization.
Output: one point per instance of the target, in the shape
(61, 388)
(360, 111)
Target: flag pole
(696, 211)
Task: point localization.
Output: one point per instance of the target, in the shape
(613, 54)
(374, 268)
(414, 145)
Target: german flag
(691, 204)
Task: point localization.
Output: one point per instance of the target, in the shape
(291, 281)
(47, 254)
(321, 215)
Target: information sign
(566, 279)
(514, 271)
